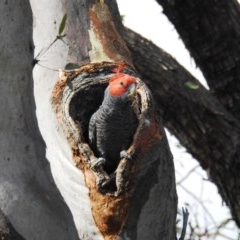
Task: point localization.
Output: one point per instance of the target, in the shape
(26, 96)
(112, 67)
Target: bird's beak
(132, 90)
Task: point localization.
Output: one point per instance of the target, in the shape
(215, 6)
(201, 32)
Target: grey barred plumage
(112, 127)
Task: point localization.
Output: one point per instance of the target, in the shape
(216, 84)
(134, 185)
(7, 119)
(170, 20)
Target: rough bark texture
(151, 160)
(28, 197)
(195, 116)
(211, 32)
(94, 36)
(152, 204)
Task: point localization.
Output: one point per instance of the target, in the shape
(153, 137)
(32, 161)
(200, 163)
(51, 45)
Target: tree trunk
(93, 33)
(30, 202)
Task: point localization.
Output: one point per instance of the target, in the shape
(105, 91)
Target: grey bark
(196, 117)
(7, 231)
(210, 31)
(28, 196)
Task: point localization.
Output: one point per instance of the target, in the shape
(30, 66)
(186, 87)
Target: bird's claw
(124, 154)
(98, 163)
(107, 185)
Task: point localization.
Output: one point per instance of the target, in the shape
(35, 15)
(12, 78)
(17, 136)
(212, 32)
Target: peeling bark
(74, 91)
(133, 210)
(95, 34)
(81, 87)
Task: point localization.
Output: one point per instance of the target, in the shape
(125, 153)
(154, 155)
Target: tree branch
(194, 116)
(211, 32)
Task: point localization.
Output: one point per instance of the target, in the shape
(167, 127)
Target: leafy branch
(59, 36)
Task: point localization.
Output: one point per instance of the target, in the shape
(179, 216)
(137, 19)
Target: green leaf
(122, 17)
(62, 24)
(191, 85)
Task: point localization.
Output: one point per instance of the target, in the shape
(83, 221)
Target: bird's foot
(108, 185)
(109, 180)
(124, 154)
(98, 163)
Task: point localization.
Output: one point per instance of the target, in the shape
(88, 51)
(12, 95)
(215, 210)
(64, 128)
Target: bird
(112, 126)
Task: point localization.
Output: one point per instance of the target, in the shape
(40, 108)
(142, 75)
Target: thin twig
(199, 201)
(185, 221)
(188, 174)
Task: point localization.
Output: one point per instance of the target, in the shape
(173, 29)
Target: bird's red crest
(119, 83)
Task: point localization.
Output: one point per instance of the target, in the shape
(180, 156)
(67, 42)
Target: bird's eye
(121, 83)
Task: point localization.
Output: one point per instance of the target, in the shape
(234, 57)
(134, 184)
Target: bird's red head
(120, 83)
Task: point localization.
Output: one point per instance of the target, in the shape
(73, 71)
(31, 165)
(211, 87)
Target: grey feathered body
(111, 129)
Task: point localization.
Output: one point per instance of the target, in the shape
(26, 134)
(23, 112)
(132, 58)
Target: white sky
(146, 18)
